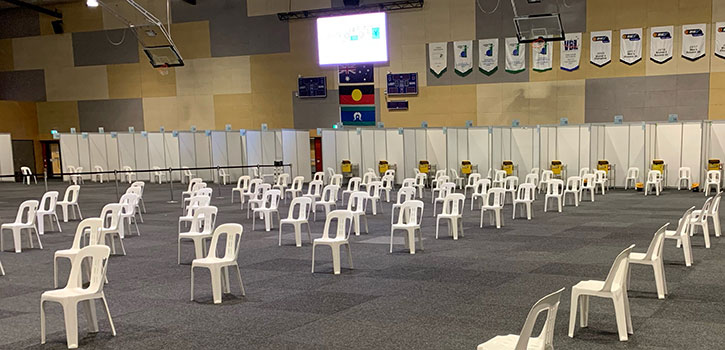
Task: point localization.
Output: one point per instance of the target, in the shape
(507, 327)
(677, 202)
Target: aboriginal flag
(357, 94)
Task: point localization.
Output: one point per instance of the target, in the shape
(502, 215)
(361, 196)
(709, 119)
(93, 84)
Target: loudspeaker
(57, 26)
(351, 3)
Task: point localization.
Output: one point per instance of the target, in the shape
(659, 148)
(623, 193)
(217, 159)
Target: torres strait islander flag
(357, 115)
(357, 94)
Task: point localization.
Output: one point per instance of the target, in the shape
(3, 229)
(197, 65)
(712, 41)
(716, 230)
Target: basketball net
(538, 44)
(163, 70)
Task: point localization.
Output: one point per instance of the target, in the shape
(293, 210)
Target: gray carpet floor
(453, 295)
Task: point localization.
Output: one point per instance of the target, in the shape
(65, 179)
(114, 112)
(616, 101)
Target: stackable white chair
(328, 200)
(260, 197)
(336, 179)
(416, 170)
(300, 205)
(356, 206)
(404, 194)
(128, 214)
(192, 188)
(546, 176)
(98, 177)
(573, 187)
(196, 202)
(70, 200)
(158, 176)
(457, 179)
(76, 178)
(554, 190)
(219, 266)
(128, 175)
(47, 209)
(437, 186)
(141, 185)
(408, 220)
(524, 196)
(439, 173)
(387, 186)
(632, 177)
(587, 185)
(390, 172)
(373, 191)
(353, 185)
(480, 190)
(498, 178)
(654, 179)
(524, 340)
(471, 182)
(699, 219)
(75, 293)
(341, 238)
(319, 176)
(510, 185)
(653, 257)
(24, 220)
(712, 180)
(682, 235)
(453, 213)
(270, 205)
(685, 175)
(27, 174)
(600, 180)
(296, 188)
(583, 171)
(713, 213)
(314, 191)
(409, 182)
(186, 175)
(532, 178)
(252, 192)
(281, 185)
(331, 173)
(242, 185)
(488, 174)
(202, 228)
(443, 191)
(614, 287)
(112, 226)
(420, 179)
(255, 173)
(93, 228)
(493, 204)
(223, 176)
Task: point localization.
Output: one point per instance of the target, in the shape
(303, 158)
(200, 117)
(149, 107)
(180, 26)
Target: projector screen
(352, 39)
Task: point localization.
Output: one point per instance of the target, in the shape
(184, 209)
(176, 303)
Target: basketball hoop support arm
(513, 5)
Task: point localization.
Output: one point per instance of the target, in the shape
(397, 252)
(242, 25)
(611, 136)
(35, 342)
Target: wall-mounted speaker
(57, 26)
(351, 3)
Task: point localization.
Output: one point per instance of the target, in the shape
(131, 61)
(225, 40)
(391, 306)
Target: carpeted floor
(453, 295)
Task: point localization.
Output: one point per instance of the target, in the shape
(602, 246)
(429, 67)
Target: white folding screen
(569, 148)
(84, 154)
(717, 141)
(6, 158)
(354, 149)
(304, 159)
(141, 142)
(479, 148)
(98, 152)
(462, 146)
(289, 151)
(187, 153)
(369, 159)
(126, 150)
(410, 159)
(436, 148)
(112, 152)
(679, 145)
(452, 159)
(254, 147)
(269, 150)
(396, 154)
(500, 150)
(219, 150)
(156, 150)
(523, 150)
(329, 150)
(68, 152)
(234, 153)
(203, 155)
(421, 145)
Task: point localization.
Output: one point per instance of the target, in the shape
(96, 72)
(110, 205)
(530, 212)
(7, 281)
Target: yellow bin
(466, 167)
(659, 165)
(556, 167)
(383, 166)
(508, 167)
(603, 164)
(346, 166)
(423, 166)
(713, 164)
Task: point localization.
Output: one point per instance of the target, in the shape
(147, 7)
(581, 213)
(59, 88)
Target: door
(318, 153)
(51, 157)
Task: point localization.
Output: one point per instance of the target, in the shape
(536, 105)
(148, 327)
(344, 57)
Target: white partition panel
(84, 154)
(409, 153)
(219, 152)
(234, 154)
(421, 145)
(126, 150)
(156, 150)
(637, 148)
(278, 149)
(396, 154)
(254, 147)
(668, 147)
(289, 151)
(69, 152)
(479, 149)
(616, 150)
(548, 146)
(692, 156)
(142, 156)
(97, 145)
(452, 159)
(329, 150)
(717, 141)
(269, 150)
(436, 148)
(381, 147)
(6, 158)
(497, 148)
(304, 159)
(187, 152)
(171, 151)
(203, 156)
(585, 151)
(462, 147)
(112, 152)
(568, 148)
(522, 150)
(354, 149)
(369, 160)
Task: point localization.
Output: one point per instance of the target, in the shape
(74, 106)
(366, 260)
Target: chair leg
(659, 273)
(620, 314)
(239, 276)
(216, 284)
(55, 272)
(706, 233)
(70, 313)
(192, 282)
(349, 256)
(42, 322)
(313, 257)
(572, 313)
(335, 259)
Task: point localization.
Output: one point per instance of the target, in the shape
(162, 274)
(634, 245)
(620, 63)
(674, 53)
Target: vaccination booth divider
(146, 150)
(6, 158)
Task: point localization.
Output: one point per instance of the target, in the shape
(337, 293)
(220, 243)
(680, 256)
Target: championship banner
(357, 94)
(488, 56)
(630, 47)
(438, 57)
(515, 55)
(541, 57)
(693, 41)
(463, 57)
(571, 51)
(720, 39)
(601, 48)
(660, 47)
(357, 115)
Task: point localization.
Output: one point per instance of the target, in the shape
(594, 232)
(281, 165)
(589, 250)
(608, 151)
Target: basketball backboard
(541, 26)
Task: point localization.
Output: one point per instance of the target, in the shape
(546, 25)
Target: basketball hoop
(538, 44)
(163, 70)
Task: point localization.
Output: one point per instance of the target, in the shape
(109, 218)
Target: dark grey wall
(22, 85)
(500, 23)
(18, 22)
(476, 77)
(650, 98)
(112, 115)
(95, 48)
(313, 113)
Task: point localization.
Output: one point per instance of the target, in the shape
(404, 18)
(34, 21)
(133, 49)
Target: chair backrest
(388, 181)
(329, 193)
(134, 190)
(446, 189)
(420, 179)
(26, 212)
(713, 176)
(546, 175)
(453, 204)
(271, 199)
(261, 190)
(330, 172)
(511, 182)
(354, 184)
(416, 170)
(617, 276)
(531, 178)
(654, 251)
(440, 180)
(71, 169)
(204, 219)
(127, 168)
(390, 172)
(684, 172)
(356, 202)
(550, 304)
(302, 205)
(583, 171)
(255, 173)
(367, 177)
(71, 194)
(488, 174)
(633, 172)
(253, 184)
(129, 201)
(336, 179)
(405, 194)
(454, 174)
(410, 211)
(573, 183)
(197, 202)
(482, 186)
(49, 200)
(653, 175)
(93, 225)
(315, 188)
(342, 217)
(243, 182)
(374, 188)
(715, 207)
(705, 210)
(233, 235)
(554, 187)
(439, 173)
(534, 171)
(684, 223)
(525, 192)
(297, 183)
(222, 172)
(141, 185)
(206, 192)
(192, 183)
(97, 168)
(25, 170)
(499, 175)
(498, 195)
(187, 171)
(472, 178)
(98, 257)
(600, 175)
(408, 183)
(197, 186)
(111, 215)
(319, 176)
(588, 181)
(282, 180)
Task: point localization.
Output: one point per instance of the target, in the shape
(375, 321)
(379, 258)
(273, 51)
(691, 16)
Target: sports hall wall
(242, 64)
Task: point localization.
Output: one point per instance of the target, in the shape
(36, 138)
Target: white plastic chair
(202, 228)
(75, 293)
(532, 178)
(356, 206)
(409, 182)
(387, 186)
(270, 205)
(301, 205)
(194, 186)
(614, 287)
(499, 178)
(327, 200)
(653, 257)
(367, 178)
(223, 176)
(654, 179)
(600, 180)
(141, 185)
(93, 226)
(685, 175)
(353, 185)
(98, 177)
(699, 219)
(219, 266)
(195, 202)
(420, 179)
(330, 173)
(314, 191)
(443, 191)
(682, 235)
(341, 238)
(128, 214)
(242, 185)
(632, 177)
(587, 185)
(439, 173)
(47, 209)
(250, 192)
(70, 199)
(27, 174)
(524, 341)
(471, 182)
(583, 171)
(712, 180)
(554, 190)
(281, 184)
(76, 178)
(24, 220)
(479, 190)
(2, 270)
(336, 179)
(493, 204)
(319, 176)
(510, 185)
(437, 186)
(373, 191)
(159, 176)
(453, 213)
(260, 191)
(524, 196)
(713, 213)
(296, 188)
(573, 187)
(457, 179)
(546, 176)
(404, 194)
(408, 220)
(112, 226)
(187, 175)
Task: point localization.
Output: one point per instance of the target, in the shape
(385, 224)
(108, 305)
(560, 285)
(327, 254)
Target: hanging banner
(463, 57)
(488, 56)
(660, 47)
(693, 41)
(438, 57)
(630, 47)
(571, 51)
(601, 49)
(541, 57)
(720, 39)
(515, 55)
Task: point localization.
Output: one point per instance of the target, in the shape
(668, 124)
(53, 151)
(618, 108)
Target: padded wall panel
(76, 83)
(95, 48)
(19, 22)
(43, 52)
(24, 85)
(112, 115)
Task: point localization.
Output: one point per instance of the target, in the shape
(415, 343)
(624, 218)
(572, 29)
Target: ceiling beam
(36, 8)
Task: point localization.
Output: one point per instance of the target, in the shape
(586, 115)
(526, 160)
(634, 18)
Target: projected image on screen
(352, 39)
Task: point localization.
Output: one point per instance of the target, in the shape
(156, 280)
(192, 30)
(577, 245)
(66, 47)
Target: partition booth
(6, 158)
(114, 151)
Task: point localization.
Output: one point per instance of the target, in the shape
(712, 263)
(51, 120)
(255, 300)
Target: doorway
(51, 157)
(317, 154)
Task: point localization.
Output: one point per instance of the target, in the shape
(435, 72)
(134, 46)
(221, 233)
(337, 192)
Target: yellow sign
(508, 167)
(603, 164)
(659, 165)
(556, 167)
(383, 166)
(423, 166)
(346, 166)
(466, 167)
(713, 164)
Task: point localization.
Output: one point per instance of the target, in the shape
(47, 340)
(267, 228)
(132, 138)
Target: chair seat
(210, 261)
(490, 207)
(16, 225)
(292, 221)
(448, 216)
(65, 293)
(671, 234)
(65, 203)
(194, 235)
(44, 212)
(503, 342)
(591, 286)
(330, 240)
(405, 226)
(67, 252)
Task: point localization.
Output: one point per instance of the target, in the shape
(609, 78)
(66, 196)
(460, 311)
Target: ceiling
(45, 3)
